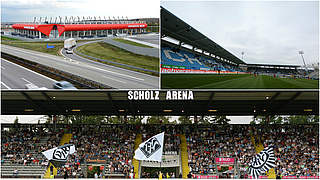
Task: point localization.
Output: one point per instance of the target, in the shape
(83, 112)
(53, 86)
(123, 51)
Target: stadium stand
(296, 149)
(113, 147)
(207, 143)
(184, 59)
(21, 152)
(171, 137)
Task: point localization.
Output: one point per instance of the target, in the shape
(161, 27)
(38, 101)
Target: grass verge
(132, 43)
(112, 53)
(5, 38)
(38, 46)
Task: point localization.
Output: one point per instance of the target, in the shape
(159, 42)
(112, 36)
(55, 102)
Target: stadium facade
(76, 27)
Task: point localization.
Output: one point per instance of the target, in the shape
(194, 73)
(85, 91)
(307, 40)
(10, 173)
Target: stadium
(190, 59)
(90, 52)
(106, 130)
(77, 27)
(189, 150)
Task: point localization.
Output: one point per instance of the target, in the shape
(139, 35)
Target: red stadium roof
(46, 28)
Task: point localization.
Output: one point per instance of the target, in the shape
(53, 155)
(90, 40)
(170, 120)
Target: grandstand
(187, 56)
(213, 151)
(79, 27)
(184, 59)
(21, 149)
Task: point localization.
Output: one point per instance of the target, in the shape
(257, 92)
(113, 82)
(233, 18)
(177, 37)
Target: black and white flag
(151, 149)
(60, 153)
(262, 162)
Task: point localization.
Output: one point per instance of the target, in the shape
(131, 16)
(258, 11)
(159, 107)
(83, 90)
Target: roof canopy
(174, 27)
(104, 102)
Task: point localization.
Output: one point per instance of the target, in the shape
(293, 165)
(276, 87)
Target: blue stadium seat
(191, 61)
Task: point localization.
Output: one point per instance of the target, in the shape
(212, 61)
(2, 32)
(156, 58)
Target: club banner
(60, 153)
(224, 160)
(262, 162)
(151, 149)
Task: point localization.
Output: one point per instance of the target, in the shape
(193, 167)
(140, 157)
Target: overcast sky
(25, 10)
(270, 32)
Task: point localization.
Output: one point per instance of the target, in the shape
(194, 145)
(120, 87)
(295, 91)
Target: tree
(273, 119)
(82, 119)
(293, 119)
(296, 119)
(16, 121)
(216, 120)
(76, 119)
(184, 120)
(113, 120)
(158, 120)
(134, 119)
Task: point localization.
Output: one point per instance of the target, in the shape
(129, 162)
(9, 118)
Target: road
(14, 76)
(150, 38)
(109, 75)
(154, 52)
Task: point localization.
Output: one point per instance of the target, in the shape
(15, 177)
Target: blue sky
(270, 32)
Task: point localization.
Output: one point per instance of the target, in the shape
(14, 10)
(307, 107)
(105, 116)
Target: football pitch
(243, 81)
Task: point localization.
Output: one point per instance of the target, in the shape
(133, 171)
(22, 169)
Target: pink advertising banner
(224, 160)
(309, 177)
(174, 70)
(206, 177)
(260, 177)
(289, 177)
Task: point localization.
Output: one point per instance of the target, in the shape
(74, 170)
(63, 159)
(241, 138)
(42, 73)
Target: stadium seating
(21, 153)
(188, 60)
(296, 148)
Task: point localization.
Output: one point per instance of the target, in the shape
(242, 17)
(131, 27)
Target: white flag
(262, 162)
(151, 149)
(60, 153)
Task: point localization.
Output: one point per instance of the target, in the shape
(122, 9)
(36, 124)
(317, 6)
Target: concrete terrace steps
(30, 170)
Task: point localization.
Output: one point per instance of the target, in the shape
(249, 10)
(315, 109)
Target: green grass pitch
(243, 81)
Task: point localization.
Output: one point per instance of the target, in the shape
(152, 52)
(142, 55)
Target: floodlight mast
(301, 53)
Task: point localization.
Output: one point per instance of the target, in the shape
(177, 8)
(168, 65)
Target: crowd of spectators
(71, 168)
(207, 143)
(113, 146)
(22, 146)
(171, 137)
(296, 148)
